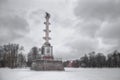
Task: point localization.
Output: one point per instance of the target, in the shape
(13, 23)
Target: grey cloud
(2, 1)
(88, 28)
(113, 44)
(37, 16)
(12, 27)
(82, 46)
(94, 13)
(98, 9)
(110, 33)
(110, 30)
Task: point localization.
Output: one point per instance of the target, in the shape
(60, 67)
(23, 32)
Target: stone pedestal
(47, 65)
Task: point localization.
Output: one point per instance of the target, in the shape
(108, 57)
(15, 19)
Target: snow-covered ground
(68, 74)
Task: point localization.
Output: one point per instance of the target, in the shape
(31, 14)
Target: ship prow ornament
(47, 60)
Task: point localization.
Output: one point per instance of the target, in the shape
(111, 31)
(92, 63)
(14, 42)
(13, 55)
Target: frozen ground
(68, 74)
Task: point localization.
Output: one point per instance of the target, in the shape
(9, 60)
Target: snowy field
(68, 74)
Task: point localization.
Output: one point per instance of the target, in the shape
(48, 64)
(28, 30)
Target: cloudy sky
(78, 26)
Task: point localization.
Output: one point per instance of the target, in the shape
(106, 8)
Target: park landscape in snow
(68, 74)
(85, 41)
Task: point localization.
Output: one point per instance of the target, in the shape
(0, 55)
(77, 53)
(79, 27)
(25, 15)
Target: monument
(47, 49)
(47, 60)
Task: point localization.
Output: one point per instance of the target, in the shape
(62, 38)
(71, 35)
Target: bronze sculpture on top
(47, 60)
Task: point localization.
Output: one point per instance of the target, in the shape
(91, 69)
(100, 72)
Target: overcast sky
(78, 26)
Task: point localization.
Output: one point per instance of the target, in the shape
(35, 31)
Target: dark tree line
(96, 60)
(11, 56)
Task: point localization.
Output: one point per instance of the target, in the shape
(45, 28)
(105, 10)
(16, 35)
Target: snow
(68, 74)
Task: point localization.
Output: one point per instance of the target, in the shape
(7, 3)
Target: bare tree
(32, 55)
